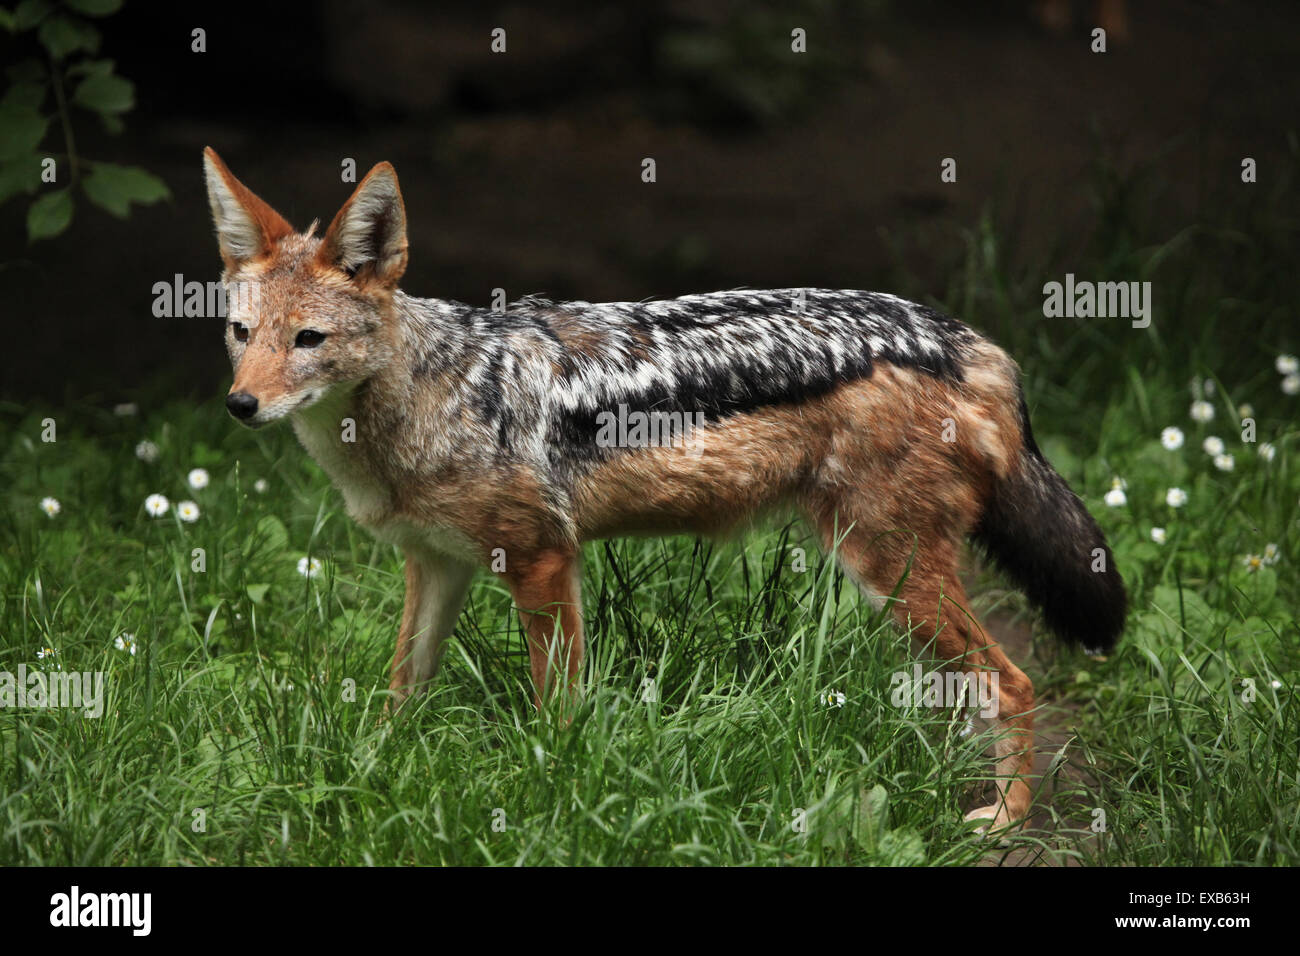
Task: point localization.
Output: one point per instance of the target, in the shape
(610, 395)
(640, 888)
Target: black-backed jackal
(895, 430)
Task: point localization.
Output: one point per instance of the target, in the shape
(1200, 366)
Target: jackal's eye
(240, 330)
(308, 339)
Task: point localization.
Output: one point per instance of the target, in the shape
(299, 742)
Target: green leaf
(105, 93)
(114, 188)
(1187, 602)
(63, 35)
(1258, 587)
(94, 8)
(31, 12)
(902, 848)
(7, 21)
(1254, 632)
(21, 130)
(113, 125)
(271, 534)
(872, 818)
(49, 215)
(25, 94)
(201, 453)
(257, 592)
(20, 175)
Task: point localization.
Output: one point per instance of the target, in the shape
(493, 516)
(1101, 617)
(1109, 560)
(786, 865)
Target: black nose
(241, 404)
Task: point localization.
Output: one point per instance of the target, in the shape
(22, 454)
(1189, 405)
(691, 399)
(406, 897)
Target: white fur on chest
(366, 494)
(320, 428)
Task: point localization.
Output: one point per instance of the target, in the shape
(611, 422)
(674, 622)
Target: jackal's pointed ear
(246, 226)
(368, 235)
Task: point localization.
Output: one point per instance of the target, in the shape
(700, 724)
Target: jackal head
(305, 315)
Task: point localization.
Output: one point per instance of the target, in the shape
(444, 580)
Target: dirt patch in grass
(1061, 816)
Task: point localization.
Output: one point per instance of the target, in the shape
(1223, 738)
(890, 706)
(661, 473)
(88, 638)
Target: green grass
(254, 702)
(237, 701)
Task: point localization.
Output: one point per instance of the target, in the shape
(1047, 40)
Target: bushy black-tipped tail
(1039, 533)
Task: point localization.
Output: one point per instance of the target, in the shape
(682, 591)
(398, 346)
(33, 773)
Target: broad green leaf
(26, 93)
(21, 175)
(21, 130)
(203, 454)
(1188, 602)
(1257, 586)
(114, 188)
(257, 592)
(31, 12)
(1252, 633)
(105, 93)
(49, 215)
(872, 818)
(1155, 631)
(94, 8)
(271, 534)
(902, 848)
(63, 35)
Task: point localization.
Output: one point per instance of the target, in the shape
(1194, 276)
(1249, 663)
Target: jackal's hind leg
(932, 604)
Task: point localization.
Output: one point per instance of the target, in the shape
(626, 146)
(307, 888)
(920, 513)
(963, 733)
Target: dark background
(522, 170)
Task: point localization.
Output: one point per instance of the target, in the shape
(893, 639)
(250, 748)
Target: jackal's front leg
(436, 586)
(546, 590)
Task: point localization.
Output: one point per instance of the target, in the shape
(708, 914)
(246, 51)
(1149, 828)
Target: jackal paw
(1001, 821)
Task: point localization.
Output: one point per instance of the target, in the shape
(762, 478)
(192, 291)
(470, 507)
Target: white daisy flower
(125, 409)
(1291, 385)
(1267, 451)
(187, 511)
(1172, 438)
(157, 505)
(1202, 411)
(44, 652)
(309, 567)
(1271, 554)
(1159, 535)
(147, 452)
(125, 642)
(833, 698)
(1116, 498)
(1175, 497)
(1246, 411)
(51, 506)
(1224, 462)
(260, 486)
(198, 479)
(1253, 562)
(1213, 446)
(1287, 365)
